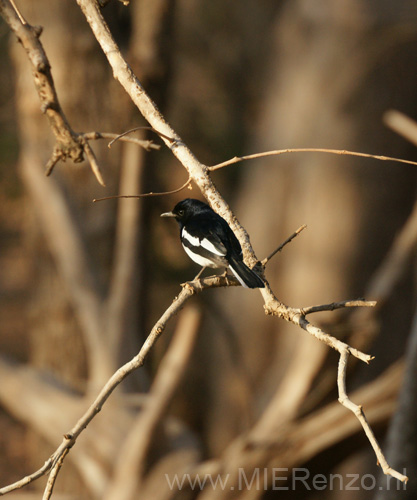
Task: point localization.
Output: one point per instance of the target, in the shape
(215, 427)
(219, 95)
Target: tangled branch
(69, 144)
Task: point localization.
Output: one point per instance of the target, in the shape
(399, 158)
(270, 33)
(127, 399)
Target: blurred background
(232, 78)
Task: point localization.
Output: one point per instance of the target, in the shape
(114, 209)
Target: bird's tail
(244, 275)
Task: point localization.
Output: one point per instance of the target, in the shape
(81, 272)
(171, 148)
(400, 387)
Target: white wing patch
(205, 243)
(202, 261)
(208, 245)
(191, 239)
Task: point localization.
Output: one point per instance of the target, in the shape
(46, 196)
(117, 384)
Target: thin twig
(27, 479)
(288, 240)
(56, 156)
(338, 305)
(120, 136)
(277, 152)
(147, 145)
(22, 19)
(144, 195)
(53, 475)
(358, 412)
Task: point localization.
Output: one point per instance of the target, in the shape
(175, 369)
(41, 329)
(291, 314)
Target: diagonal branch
(197, 171)
(360, 415)
(70, 438)
(130, 468)
(288, 240)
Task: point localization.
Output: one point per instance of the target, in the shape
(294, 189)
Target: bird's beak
(168, 214)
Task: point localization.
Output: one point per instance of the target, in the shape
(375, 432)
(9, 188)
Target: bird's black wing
(210, 234)
(215, 235)
(228, 238)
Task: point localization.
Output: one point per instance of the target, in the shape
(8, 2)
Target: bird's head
(186, 209)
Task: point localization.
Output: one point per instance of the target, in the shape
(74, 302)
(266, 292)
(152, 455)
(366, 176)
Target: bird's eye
(181, 212)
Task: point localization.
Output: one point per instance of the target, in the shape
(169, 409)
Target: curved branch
(145, 195)
(278, 152)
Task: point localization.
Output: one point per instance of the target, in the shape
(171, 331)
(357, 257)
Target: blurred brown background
(232, 78)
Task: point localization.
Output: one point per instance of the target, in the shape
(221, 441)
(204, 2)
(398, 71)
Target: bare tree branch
(147, 145)
(28, 36)
(27, 479)
(53, 476)
(338, 305)
(269, 442)
(69, 144)
(358, 412)
(278, 152)
(186, 184)
(199, 174)
(130, 466)
(71, 437)
(288, 240)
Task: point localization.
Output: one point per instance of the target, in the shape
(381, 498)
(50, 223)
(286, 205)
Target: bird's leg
(200, 273)
(224, 273)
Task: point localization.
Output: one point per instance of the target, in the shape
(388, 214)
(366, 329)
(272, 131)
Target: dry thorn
(93, 163)
(55, 158)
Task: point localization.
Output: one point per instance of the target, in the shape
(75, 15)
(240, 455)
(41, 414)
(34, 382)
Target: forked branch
(69, 144)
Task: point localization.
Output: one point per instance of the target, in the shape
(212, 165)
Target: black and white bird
(208, 240)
